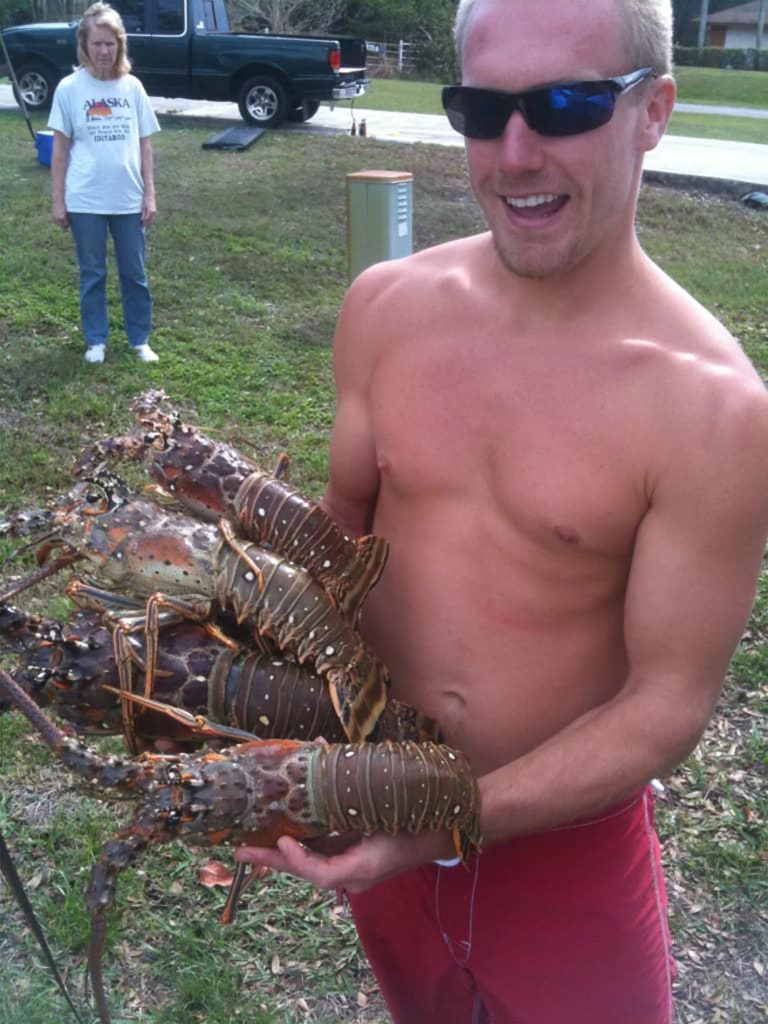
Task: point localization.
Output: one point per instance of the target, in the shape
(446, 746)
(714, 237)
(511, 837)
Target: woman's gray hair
(102, 15)
(646, 26)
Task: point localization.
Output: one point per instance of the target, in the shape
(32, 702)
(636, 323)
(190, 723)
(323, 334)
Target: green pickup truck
(183, 48)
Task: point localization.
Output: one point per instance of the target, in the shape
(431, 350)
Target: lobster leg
(129, 616)
(244, 876)
(198, 724)
(229, 535)
(280, 472)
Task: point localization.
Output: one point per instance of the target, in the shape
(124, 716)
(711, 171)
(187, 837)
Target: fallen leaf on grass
(214, 873)
(362, 1000)
(275, 965)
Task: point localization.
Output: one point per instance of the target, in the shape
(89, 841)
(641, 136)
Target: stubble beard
(547, 262)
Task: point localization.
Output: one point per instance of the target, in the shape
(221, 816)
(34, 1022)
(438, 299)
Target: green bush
(720, 57)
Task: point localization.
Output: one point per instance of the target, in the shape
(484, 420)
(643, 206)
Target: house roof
(741, 14)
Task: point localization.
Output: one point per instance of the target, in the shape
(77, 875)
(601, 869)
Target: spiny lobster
(259, 791)
(211, 479)
(77, 669)
(137, 548)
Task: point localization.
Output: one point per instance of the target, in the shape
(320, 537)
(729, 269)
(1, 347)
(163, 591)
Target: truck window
(133, 13)
(170, 17)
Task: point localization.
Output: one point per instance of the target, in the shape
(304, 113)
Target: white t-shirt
(104, 121)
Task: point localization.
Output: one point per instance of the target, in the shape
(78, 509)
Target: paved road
(739, 162)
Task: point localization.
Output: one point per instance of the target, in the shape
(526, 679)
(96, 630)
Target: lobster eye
(96, 502)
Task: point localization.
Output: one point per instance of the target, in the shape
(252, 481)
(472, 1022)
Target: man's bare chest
(555, 455)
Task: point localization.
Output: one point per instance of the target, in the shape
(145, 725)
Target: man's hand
(358, 867)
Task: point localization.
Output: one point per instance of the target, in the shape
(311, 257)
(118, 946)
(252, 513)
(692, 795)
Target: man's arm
(59, 163)
(148, 206)
(353, 473)
(692, 581)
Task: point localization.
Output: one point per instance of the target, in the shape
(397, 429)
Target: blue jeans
(90, 233)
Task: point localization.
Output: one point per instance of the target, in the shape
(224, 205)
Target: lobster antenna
(16, 886)
(24, 547)
(40, 574)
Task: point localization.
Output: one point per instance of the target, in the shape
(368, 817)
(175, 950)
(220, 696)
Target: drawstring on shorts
(464, 944)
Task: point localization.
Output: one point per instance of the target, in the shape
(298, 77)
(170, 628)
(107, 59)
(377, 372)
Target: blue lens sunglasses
(554, 110)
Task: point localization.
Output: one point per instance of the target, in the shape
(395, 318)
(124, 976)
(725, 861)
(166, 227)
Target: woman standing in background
(102, 178)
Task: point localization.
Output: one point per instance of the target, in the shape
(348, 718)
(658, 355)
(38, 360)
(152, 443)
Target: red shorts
(567, 926)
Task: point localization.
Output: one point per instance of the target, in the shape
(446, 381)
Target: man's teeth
(527, 201)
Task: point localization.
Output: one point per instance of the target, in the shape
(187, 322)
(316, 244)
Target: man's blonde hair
(646, 27)
(102, 15)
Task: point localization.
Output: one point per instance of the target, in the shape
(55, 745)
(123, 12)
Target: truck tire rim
(262, 102)
(33, 87)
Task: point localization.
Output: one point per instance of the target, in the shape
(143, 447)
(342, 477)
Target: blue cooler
(44, 146)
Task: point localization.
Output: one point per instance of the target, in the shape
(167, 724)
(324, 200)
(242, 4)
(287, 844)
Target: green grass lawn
(247, 265)
(727, 129)
(723, 88)
(694, 85)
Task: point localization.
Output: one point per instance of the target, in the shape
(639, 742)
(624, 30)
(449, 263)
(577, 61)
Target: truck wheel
(303, 113)
(37, 83)
(262, 101)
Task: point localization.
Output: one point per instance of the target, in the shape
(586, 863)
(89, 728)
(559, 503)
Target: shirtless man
(567, 455)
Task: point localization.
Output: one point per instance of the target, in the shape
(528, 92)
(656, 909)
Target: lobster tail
(276, 516)
(395, 787)
(359, 695)
(372, 555)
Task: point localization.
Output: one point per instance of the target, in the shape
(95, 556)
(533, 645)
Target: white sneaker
(145, 354)
(94, 354)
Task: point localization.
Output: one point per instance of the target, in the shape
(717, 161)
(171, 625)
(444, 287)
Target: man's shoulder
(702, 374)
(425, 270)
(688, 331)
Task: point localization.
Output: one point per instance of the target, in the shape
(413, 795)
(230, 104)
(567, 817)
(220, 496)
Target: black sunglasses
(568, 109)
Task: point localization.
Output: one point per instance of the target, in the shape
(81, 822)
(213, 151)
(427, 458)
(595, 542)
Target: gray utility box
(379, 217)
